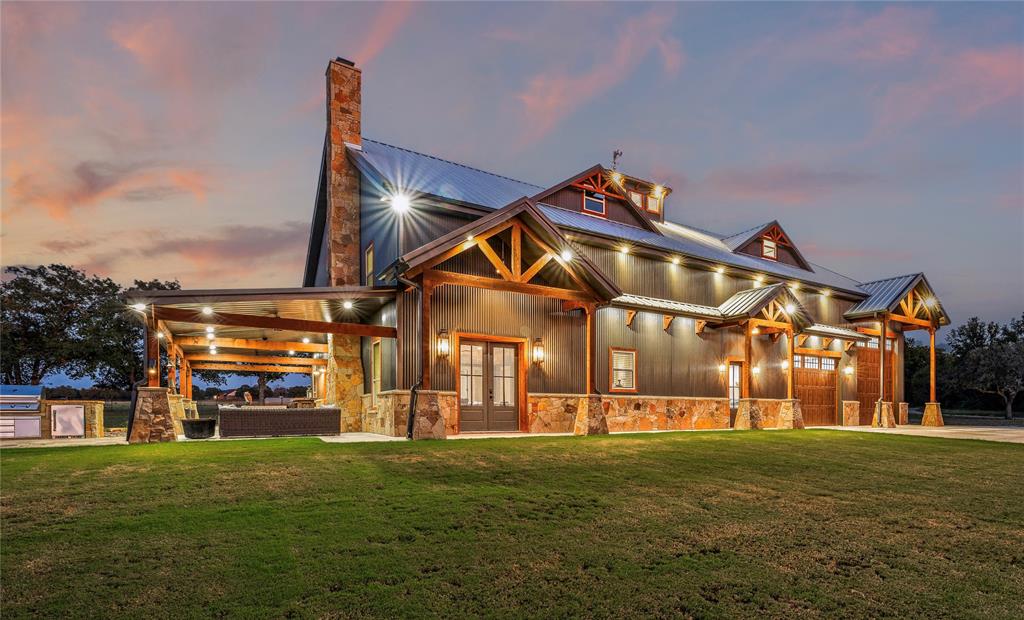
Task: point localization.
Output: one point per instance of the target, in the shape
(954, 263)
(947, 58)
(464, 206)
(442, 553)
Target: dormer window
(654, 204)
(637, 198)
(593, 203)
(769, 250)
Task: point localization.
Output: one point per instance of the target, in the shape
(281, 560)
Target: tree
(996, 369)
(49, 318)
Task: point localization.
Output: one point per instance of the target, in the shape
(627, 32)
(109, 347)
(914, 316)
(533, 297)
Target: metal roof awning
(669, 306)
(831, 331)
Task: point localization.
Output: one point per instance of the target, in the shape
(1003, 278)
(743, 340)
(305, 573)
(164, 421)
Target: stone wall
(390, 414)
(660, 413)
(552, 413)
(153, 420)
(883, 416)
(851, 413)
(344, 102)
(932, 415)
(93, 410)
(177, 404)
(344, 380)
(904, 414)
(763, 413)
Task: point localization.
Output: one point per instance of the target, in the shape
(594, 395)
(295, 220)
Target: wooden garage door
(868, 360)
(814, 380)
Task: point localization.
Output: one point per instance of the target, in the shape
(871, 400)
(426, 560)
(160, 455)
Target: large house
(442, 299)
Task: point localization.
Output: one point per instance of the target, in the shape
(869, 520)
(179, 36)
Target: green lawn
(778, 523)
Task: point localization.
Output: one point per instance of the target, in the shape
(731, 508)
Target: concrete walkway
(1007, 434)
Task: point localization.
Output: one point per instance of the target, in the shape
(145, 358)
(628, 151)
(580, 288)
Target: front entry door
(488, 387)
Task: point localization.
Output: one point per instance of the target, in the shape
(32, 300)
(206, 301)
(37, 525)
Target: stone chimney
(344, 83)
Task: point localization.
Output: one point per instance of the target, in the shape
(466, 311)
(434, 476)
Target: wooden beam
(458, 279)
(931, 365)
(899, 318)
(826, 342)
(790, 347)
(766, 323)
(748, 354)
(870, 331)
(535, 268)
(256, 359)
(517, 251)
(152, 355)
(666, 321)
(818, 352)
(492, 256)
(268, 322)
(258, 345)
(591, 369)
(884, 329)
(800, 340)
(250, 367)
(630, 317)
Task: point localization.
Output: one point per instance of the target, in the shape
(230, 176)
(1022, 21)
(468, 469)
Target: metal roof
(831, 331)
(413, 172)
(668, 305)
(734, 241)
(698, 244)
(885, 294)
(749, 302)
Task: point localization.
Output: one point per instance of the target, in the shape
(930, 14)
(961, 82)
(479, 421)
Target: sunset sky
(183, 141)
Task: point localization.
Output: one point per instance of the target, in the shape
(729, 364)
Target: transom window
(623, 370)
(593, 202)
(769, 249)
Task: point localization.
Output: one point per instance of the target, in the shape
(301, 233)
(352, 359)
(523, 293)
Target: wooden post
(789, 368)
(931, 365)
(425, 336)
(171, 375)
(152, 356)
(884, 327)
(748, 354)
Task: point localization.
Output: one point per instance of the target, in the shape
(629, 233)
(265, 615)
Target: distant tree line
(67, 392)
(55, 319)
(981, 367)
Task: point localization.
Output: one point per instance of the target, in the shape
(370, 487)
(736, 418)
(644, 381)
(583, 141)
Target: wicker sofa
(278, 421)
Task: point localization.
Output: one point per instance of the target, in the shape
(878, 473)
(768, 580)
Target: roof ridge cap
(906, 275)
(454, 163)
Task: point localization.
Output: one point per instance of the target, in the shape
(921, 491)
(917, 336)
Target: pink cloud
(382, 30)
(554, 94)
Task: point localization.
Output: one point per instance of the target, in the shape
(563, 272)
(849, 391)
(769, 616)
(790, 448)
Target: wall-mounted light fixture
(785, 364)
(755, 331)
(207, 310)
(139, 307)
(347, 304)
(444, 343)
(756, 370)
(790, 308)
(538, 351)
(848, 370)
(721, 368)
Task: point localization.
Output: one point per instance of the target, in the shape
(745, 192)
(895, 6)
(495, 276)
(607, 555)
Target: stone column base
(429, 422)
(153, 421)
(932, 415)
(904, 416)
(883, 417)
(790, 414)
(851, 413)
(590, 417)
(177, 402)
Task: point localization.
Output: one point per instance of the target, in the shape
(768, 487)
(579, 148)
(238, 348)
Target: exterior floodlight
(675, 260)
(825, 292)
(624, 249)
(720, 269)
(305, 340)
(213, 350)
(930, 302)
(291, 352)
(209, 329)
(400, 203)
(207, 310)
(210, 336)
(848, 370)
(347, 305)
(567, 255)
(790, 308)
(160, 335)
(139, 307)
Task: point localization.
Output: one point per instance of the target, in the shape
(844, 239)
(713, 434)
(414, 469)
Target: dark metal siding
(408, 340)
(422, 227)
(499, 313)
(386, 315)
(377, 224)
(615, 209)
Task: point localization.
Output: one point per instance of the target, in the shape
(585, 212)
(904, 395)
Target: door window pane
(504, 376)
(471, 374)
(734, 385)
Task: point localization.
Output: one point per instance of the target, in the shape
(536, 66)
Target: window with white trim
(637, 198)
(769, 249)
(654, 204)
(623, 370)
(735, 384)
(593, 202)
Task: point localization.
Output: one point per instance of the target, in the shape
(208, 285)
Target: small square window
(769, 249)
(593, 202)
(654, 204)
(828, 363)
(637, 198)
(796, 361)
(623, 370)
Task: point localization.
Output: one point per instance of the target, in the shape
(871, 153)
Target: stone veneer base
(764, 413)
(883, 417)
(153, 420)
(851, 413)
(932, 415)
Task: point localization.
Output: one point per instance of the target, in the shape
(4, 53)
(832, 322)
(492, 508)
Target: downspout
(411, 416)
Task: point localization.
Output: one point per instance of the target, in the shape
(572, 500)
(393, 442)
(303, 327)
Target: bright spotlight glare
(400, 203)
(139, 307)
(207, 310)
(347, 305)
(305, 340)
(566, 255)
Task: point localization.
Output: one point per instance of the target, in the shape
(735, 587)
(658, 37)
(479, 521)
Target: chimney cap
(345, 61)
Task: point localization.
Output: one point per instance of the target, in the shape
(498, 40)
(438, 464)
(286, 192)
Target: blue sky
(182, 141)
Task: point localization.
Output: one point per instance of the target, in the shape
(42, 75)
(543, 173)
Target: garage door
(868, 360)
(814, 380)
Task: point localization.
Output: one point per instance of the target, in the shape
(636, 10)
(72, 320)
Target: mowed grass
(777, 523)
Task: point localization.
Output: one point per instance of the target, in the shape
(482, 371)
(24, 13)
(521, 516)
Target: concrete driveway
(1007, 434)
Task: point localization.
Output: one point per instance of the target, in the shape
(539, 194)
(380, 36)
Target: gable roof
(885, 295)
(750, 302)
(596, 169)
(527, 212)
(737, 241)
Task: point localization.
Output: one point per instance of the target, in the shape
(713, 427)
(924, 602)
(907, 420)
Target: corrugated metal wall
(386, 315)
(423, 226)
(499, 313)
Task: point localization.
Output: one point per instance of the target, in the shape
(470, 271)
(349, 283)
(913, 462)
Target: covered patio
(311, 331)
